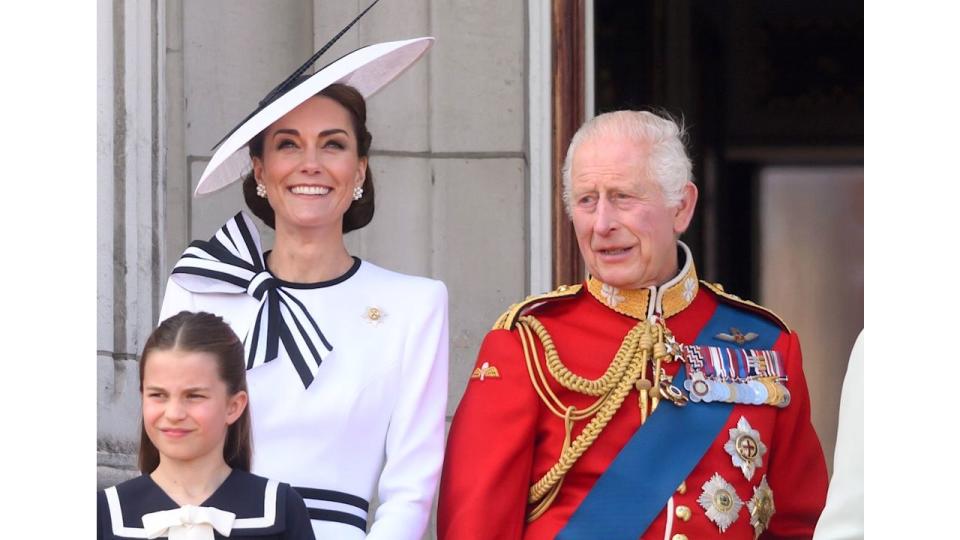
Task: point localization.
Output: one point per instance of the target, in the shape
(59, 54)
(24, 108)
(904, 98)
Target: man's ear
(685, 208)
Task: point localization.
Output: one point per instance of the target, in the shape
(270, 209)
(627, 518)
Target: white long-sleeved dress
(373, 420)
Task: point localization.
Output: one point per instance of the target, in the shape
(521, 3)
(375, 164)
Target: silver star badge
(745, 448)
(720, 501)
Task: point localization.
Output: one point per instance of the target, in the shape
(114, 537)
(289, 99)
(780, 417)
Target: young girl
(195, 447)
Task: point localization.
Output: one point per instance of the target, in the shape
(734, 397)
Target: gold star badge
(761, 507)
(485, 371)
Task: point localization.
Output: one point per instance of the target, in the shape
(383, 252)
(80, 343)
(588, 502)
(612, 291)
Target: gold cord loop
(643, 345)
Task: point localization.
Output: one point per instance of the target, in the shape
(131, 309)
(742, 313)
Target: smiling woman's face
(310, 165)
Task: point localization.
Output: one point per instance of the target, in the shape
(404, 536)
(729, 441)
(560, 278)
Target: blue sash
(660, 455)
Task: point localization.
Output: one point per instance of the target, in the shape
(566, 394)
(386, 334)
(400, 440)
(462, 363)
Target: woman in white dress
(347, 361)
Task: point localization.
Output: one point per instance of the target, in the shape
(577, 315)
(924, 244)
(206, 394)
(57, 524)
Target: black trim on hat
(290, 81)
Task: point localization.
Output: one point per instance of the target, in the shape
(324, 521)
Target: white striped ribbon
(232, 262)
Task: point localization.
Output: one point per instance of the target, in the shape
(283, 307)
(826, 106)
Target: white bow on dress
(188, 523)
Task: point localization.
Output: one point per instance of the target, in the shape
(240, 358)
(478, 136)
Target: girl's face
(186, 407)
(310, 165)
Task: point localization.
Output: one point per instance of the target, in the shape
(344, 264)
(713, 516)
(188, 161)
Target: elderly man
(643, 403)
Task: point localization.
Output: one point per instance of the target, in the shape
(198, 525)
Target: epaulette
(510, 316)
(746, 304)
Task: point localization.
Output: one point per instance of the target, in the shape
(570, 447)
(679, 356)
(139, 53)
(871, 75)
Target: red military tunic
(503, 438)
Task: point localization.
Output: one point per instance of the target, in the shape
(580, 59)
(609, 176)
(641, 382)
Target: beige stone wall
(812, 246)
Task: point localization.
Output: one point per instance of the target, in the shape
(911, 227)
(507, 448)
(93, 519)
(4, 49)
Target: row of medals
(753, 391)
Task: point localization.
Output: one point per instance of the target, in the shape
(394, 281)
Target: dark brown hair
(361, 211)
(207, 333)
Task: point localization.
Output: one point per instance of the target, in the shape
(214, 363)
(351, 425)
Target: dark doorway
(757, 83)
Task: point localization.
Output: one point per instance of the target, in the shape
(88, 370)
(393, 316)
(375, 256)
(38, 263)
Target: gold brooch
(485, 371)
(374, 315)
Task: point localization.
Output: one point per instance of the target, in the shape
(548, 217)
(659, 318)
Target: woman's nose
(311, 160)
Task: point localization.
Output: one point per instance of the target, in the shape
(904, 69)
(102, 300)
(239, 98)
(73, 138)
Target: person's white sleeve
(175, 300)
(414, 442)
(842, 517)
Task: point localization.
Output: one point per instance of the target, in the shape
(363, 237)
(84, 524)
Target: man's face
(626, 231)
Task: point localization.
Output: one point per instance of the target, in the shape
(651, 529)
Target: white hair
(667, 161)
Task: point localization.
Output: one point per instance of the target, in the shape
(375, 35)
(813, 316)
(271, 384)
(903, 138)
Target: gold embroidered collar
(668, 299)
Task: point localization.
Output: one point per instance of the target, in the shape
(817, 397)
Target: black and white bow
(232, 262)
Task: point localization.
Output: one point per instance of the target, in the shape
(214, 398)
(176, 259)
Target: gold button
(683, 512)
(679, 537)
(374, 314)
(683, 488)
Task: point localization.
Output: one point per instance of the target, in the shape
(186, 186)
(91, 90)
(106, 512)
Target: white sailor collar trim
(267, 519)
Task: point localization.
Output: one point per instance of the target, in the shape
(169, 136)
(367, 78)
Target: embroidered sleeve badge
(485, 371)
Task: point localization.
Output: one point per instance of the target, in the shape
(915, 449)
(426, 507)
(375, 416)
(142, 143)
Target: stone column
(129, 211)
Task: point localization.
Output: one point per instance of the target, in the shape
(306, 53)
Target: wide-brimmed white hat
(367, 69)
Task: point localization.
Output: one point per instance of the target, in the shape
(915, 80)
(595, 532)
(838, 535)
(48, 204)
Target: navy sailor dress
(263, 508)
